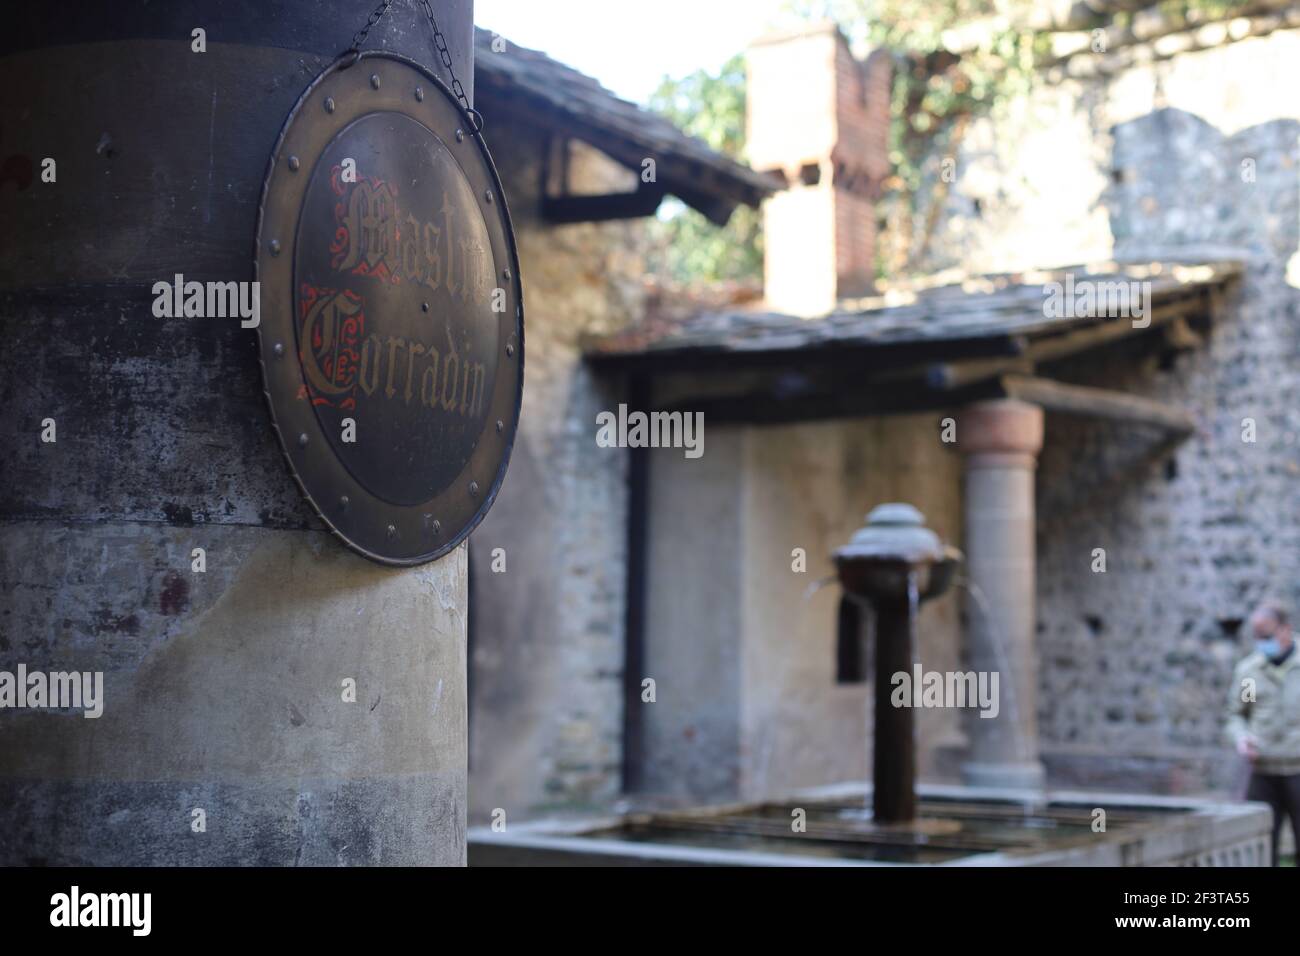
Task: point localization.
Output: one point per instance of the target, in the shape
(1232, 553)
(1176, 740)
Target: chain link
(439, 43)
(375, 16)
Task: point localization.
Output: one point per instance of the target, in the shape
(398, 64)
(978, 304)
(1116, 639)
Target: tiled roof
(686, 166)
(943, 309)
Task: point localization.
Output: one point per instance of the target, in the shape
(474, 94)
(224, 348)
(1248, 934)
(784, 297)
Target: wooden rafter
(604, 207)
(1099, 403)
(956, 374)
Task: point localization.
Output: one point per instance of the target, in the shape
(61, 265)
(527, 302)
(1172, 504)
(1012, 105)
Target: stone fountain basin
(957, 826)
(871, 578)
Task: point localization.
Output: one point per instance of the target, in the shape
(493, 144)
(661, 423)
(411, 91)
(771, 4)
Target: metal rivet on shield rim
(488, 195)
(374, 80)
(506, 274)
(510, 350)
(501, 426)
(392, 531)
(424, 307)
(329, 104)
(279, 350)
(460, 136)
(294, 164)
(473, 489)
(343, 502)
(437, 526)
(419, 93)
(275, 247)
(302, 439)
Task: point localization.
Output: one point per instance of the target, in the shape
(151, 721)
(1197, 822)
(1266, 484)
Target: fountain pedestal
(894, 754)
(894, 563)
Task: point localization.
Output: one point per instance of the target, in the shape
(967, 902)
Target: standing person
(1264, 717)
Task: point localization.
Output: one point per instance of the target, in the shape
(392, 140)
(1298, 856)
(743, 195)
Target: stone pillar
(269, 699)
(1000, 440)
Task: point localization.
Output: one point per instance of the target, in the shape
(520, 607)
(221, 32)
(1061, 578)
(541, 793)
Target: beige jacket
(1273, 715)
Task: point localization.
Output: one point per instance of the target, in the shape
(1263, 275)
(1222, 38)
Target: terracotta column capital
(1003, 431)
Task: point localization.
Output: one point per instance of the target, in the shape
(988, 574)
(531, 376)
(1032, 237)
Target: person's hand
(1248, 746)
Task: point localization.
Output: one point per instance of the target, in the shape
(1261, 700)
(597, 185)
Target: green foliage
(686, 247)
(706, 105)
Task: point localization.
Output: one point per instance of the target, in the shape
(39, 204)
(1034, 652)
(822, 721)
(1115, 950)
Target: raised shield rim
(327, 475)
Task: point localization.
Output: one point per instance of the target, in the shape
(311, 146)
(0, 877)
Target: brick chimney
(820, 117)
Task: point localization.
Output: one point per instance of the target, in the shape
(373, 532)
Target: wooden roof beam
(1098, 403)
(958, 373)
(642, 201)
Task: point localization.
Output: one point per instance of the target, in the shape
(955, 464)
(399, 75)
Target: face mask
(1269, 647)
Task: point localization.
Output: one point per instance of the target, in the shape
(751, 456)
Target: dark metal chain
(439, 43)
(375, 16)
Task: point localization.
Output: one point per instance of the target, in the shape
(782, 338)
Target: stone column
(1000, 440)
(268, 697)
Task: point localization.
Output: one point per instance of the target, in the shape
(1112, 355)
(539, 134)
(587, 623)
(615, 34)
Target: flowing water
(1000, 650)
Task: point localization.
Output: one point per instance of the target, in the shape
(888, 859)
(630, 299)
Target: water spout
(913, 606)
(817, 585)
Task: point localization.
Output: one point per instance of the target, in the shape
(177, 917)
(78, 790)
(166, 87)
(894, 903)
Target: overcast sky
(628, 45)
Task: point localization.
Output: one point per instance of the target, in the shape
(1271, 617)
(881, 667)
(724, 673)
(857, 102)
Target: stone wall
(691, 735)
(1195, 154)
(547, 633)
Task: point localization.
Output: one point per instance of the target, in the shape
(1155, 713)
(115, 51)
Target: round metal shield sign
(391, 310)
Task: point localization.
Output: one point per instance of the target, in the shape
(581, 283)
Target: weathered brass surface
(392, 313)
